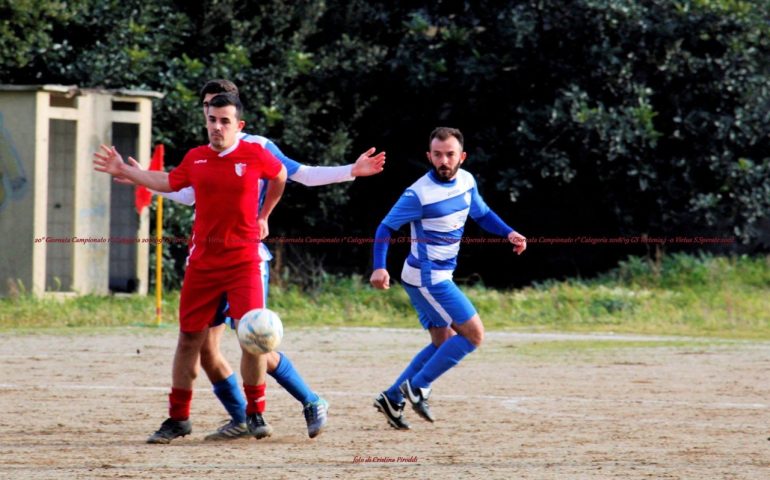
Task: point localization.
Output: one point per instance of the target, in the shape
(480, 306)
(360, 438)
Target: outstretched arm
(368, 163)
(184, 196)
(111, 162)
(317, 176)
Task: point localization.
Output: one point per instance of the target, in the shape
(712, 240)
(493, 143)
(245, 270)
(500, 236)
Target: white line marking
(514, 403)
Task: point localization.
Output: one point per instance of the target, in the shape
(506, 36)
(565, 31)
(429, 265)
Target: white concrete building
(63, 226)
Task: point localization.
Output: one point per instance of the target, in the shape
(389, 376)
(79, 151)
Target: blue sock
(290, 379)
(230, 395)
(393, 393)
(447, 356)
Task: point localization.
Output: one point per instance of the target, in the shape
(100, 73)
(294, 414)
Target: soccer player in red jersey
(223, 258)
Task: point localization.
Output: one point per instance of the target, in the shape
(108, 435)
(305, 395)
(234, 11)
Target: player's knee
(476, 334)
(186, 371)
(476, 337)
(273, 359)
(472, 330)
(440, 335)
(209, 356)
(209, 360)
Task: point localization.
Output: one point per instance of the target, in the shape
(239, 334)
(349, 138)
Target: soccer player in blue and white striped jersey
(436, 206)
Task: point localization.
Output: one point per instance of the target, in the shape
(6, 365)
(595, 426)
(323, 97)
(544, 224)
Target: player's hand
(368, 163)
(519, 242)
(264, 230)
(127, 181)
(380, 279)
(109, 161)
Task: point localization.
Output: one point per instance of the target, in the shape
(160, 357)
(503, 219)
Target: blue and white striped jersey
(437, 212)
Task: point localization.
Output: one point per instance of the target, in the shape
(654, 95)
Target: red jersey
(225, 230)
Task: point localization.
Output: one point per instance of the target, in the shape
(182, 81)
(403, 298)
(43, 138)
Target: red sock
(255, 398)
(179, 401)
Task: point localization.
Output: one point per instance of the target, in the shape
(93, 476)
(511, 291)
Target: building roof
(72, 90)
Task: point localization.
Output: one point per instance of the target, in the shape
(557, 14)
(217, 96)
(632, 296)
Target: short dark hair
(443, 133)
(218, 85)
(227, 99)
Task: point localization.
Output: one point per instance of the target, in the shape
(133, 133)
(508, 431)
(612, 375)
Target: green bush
(671, 298)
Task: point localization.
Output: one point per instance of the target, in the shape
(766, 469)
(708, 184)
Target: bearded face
(446, 157)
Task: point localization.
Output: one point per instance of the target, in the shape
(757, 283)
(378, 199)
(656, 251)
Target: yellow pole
(158, 258)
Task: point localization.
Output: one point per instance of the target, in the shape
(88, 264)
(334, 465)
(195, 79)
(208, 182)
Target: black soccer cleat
(418, 397)
(171, 429)
(394, 413)
(258, 427)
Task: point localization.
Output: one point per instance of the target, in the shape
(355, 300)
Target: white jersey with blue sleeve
(304, 174)
(437, 212)
(292, 166)
(296, 172)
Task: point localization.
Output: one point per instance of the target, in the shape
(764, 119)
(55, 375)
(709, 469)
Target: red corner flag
(143, 197)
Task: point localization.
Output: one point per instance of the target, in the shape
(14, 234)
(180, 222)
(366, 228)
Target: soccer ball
(260, 331)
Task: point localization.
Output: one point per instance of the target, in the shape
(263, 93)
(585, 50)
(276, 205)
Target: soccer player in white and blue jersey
(436, 206)
(219, 371)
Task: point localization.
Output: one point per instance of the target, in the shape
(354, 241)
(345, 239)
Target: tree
(599, 117)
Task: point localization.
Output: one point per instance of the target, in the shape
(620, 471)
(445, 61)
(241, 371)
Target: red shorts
(202, 291)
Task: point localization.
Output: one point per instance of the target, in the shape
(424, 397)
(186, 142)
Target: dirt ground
(82, 406)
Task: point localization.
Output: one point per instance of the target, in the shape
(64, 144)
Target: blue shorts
(223, 311)
(440, 305)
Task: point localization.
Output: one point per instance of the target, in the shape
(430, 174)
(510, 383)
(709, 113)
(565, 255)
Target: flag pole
(158, 258)
(142, 199)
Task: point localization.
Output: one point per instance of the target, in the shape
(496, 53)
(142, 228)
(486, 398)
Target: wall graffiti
(13, 179)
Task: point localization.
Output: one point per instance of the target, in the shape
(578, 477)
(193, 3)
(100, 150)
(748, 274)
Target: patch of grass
(30, 313)
(725, 297)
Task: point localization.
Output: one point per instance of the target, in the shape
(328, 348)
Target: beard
(446, 174)
(216, 141)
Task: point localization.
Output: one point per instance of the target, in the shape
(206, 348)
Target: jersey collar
(229, 150)
(437, 181)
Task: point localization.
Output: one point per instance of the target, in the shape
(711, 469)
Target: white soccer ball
(260, 331)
